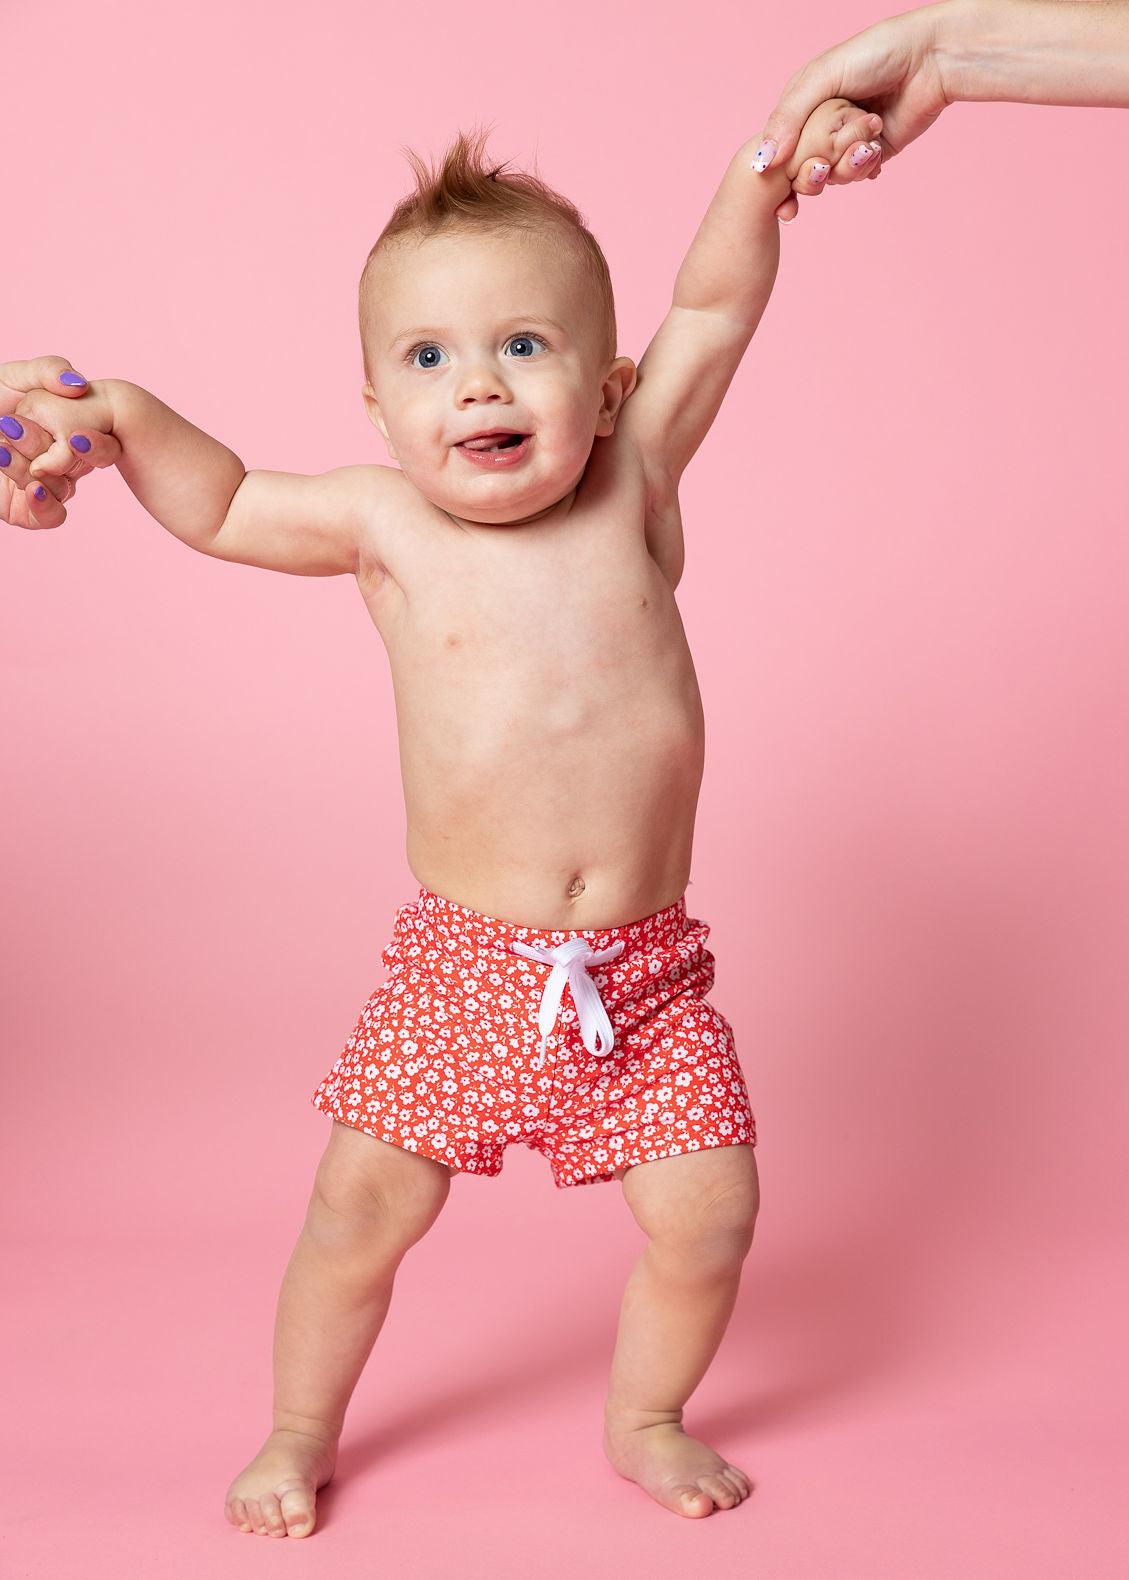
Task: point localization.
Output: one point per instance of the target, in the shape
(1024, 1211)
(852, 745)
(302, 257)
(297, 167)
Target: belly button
(576, 887)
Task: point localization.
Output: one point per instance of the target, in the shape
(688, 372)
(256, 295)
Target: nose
(481, 380)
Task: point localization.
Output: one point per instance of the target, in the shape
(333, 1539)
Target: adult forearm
(184, 478)
(1035, 51)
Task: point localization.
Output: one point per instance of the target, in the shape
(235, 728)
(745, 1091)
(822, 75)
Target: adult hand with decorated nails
(55, 427)
(909, 67)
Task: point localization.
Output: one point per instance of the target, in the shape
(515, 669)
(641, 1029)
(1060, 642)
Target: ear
(368, 395)
(619, 381)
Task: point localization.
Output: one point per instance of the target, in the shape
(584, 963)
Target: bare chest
(538, 606)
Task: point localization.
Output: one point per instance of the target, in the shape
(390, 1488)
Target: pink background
(906, 599)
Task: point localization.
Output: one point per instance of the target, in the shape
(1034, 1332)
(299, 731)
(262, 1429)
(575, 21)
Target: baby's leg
(370, 1202)
(698, 1210)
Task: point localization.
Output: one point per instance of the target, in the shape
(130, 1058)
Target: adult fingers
(23, 508)
(888, 64)
(50, 373)
(892, 65)
(45, 512)
(811, 178)
(856, 165)
(81, 452)
(819, 80)
(854, 146)
(21, 440)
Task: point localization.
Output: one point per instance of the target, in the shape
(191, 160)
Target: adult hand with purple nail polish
(53, 431)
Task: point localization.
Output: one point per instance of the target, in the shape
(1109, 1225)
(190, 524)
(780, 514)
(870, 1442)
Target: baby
(520, 568)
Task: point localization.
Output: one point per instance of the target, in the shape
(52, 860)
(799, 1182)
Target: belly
(559, 788)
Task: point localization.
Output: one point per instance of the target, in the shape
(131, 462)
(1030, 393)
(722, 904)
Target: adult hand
(23, 439)
(892, 68)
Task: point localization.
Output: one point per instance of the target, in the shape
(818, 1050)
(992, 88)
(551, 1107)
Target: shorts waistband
(459, 923)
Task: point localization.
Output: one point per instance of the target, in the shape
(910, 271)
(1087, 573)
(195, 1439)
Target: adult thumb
(49, 373)
(60, 376)
(803, 91)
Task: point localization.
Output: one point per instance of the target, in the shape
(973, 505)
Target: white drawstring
(570, 962)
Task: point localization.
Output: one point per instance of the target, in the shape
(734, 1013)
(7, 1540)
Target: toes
(297, 1510)
(738, 1478)
(239, 1516)
(691, 1501)
(255, 1516)
(272, 1515)
(723, 1492)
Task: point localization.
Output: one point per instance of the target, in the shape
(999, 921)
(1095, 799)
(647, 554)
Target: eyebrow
(511, 318)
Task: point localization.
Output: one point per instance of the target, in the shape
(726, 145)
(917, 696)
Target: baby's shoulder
(388, 503)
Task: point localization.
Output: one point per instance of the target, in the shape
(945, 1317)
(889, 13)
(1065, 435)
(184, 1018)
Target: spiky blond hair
(466, 195)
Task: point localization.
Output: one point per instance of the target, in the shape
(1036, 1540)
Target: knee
(375, 1193)
(713, 1234)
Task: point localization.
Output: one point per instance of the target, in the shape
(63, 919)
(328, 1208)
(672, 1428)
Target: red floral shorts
(598, 1048)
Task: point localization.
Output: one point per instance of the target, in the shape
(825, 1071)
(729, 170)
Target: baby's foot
(276, 1493)
(678, 1471)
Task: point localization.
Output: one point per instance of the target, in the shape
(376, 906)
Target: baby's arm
(720, 294)
(200, 491)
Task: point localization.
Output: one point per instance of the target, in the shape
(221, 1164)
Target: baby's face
(472, 333)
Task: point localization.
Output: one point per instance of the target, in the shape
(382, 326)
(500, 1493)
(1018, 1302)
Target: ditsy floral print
(444, 1059)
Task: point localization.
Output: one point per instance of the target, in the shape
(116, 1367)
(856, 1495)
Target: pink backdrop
(907, 606)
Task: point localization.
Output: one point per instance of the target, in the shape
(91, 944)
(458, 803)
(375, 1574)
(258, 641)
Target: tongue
(491, 442)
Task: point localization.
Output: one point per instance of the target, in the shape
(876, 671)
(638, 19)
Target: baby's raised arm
(200, 491)
(722, 289)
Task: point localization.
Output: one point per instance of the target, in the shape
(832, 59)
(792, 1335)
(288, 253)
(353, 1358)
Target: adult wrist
(974, 43)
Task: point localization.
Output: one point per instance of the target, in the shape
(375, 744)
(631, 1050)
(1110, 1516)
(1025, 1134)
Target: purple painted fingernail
(71, 378)
(820, 172)
(41, 492)
(11, 427)
(5, 456)
(861, 154)
(80, 442)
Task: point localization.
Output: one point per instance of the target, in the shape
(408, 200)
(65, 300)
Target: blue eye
(429, 345)
(541, 342)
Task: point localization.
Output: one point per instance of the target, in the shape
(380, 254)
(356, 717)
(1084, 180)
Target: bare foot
(678, 1471)
(276, 1493)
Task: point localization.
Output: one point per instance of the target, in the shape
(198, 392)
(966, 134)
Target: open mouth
(497, 450)
(505, 442)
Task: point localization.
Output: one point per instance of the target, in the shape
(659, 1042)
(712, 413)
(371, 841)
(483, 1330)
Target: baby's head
(486, 303)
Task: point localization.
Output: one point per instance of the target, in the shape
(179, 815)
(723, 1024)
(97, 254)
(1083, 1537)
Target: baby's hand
(839, 143)
(81, 426)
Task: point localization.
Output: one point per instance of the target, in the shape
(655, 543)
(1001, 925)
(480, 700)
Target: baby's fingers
(856, 150)
(76, 455)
